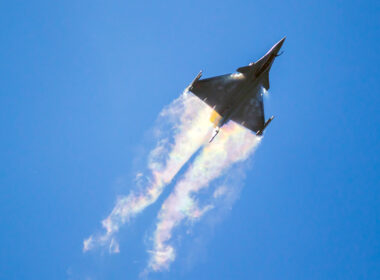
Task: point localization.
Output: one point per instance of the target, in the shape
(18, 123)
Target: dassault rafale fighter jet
(238, 96)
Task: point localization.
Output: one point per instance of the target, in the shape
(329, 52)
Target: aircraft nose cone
(282, 40)
(278, 46)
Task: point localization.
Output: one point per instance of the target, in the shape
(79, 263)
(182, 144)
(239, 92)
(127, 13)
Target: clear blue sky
(82, 81)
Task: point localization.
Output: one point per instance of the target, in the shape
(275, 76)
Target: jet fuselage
(250, 89)
(238, 96)
(243, 95)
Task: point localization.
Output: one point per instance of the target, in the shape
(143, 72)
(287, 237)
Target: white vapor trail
(232, 145)
(188, 127)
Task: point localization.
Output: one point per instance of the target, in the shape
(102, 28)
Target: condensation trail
(232, 145)
(187, 119)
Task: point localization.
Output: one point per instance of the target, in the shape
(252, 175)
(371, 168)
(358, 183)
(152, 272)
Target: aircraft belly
(251, 94)
(249, 112)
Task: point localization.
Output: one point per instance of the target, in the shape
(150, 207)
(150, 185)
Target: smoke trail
(180, 130)
(234, 144)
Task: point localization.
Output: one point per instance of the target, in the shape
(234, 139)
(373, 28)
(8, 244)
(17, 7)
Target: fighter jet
(238, 96)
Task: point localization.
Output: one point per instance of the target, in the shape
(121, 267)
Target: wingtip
(199, 74)
(195, 80)
(261, 131)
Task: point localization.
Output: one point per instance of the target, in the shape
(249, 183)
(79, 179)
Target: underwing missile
(260, 132)
(190, 87)
(216, 131)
